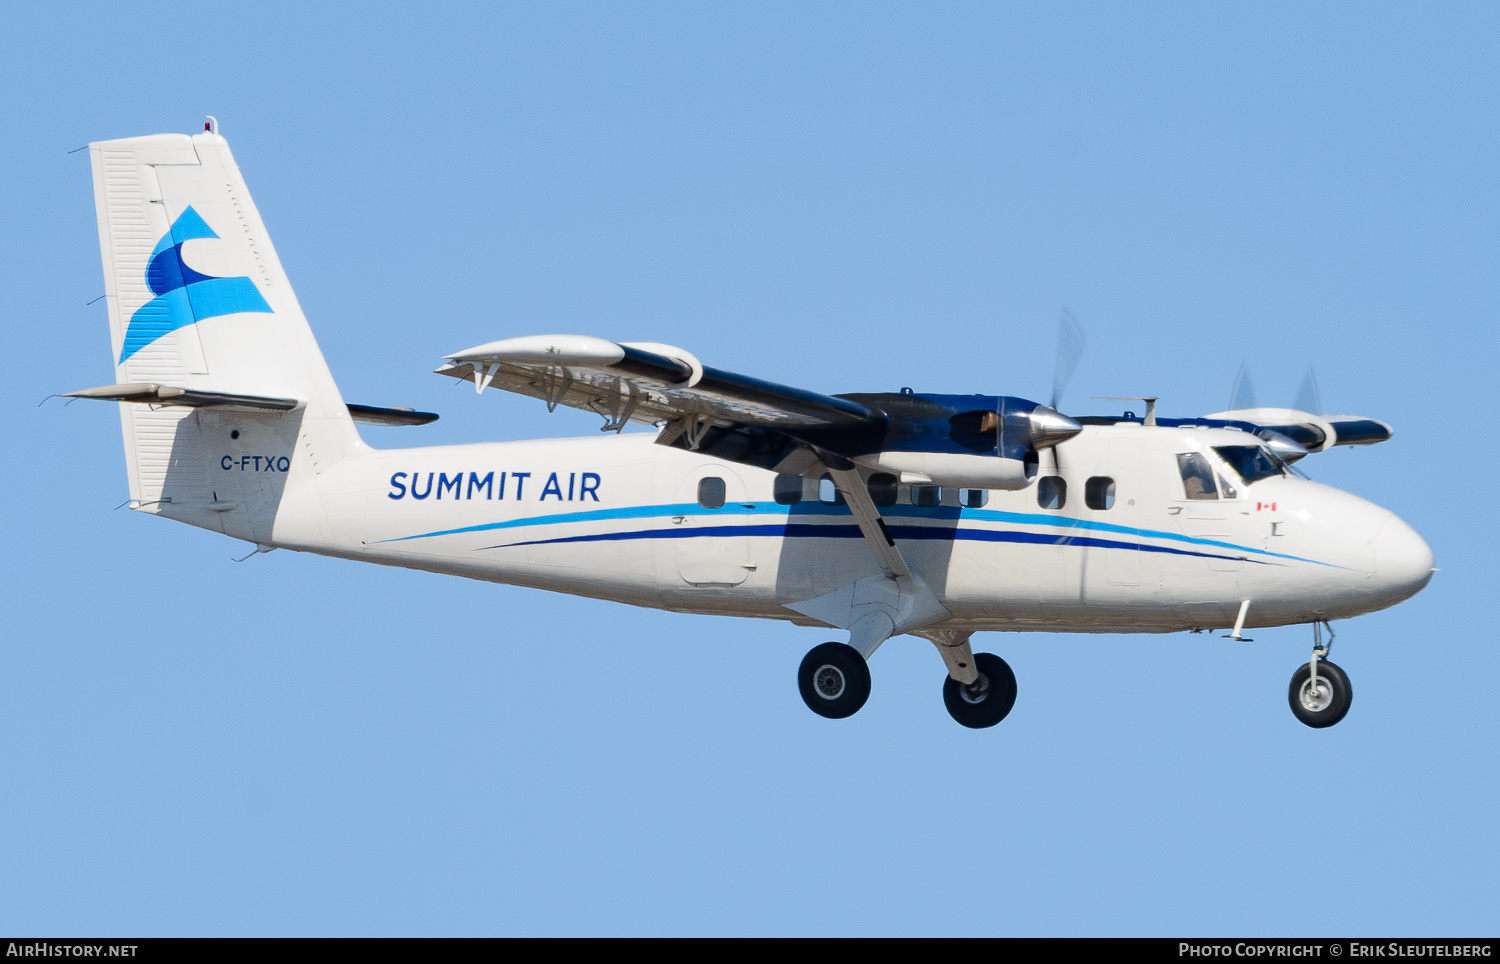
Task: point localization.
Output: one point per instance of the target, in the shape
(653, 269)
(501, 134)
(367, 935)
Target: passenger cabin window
(711, 492)
(883, 488)
(1099, 492)
(1052, 492)
(1197, 477)
(1252, 462)
(828, 493)
(927, 495)
(788, 489)
(973, 498)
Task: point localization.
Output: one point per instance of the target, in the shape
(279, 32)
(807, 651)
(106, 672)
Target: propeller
(1242, 394)
(1070, 344)
(1308, 398)
(1071, 341)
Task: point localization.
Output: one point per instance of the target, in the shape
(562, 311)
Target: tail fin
(198, 300)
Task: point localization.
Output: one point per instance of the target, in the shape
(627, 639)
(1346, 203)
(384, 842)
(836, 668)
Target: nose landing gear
(1320, 693)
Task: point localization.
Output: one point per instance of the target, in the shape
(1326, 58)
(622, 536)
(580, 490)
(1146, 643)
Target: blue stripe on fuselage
(935, 513)
(930, 533)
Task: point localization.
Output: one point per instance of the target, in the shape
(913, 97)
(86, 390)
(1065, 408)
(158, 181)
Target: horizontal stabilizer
(151, 394)
(396, 415)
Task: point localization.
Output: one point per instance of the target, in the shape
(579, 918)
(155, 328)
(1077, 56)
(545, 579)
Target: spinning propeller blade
(1242, 395)
(1070, 344)
(1308, 399)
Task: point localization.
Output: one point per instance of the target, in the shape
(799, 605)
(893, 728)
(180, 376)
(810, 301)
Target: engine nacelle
(959, 471)
(964, 441)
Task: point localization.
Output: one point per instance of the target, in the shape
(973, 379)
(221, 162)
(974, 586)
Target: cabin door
(712, 547)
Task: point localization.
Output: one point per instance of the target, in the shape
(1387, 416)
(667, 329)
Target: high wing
(724, 413)
(964, 441)
(742, 419)
(1315, 433)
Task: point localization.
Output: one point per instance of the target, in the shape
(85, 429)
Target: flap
(625, 382)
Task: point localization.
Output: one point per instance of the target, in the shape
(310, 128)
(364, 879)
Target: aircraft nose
(1403, 561)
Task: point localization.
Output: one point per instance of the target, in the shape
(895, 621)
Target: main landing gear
(1320, 693)
(835, 682)
(834, 678)
(988, 699)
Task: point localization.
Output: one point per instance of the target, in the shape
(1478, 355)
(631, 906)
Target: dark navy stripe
(936, 513)
(910, 533)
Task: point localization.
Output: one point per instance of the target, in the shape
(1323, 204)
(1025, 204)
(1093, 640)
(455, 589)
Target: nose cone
(1403, 562)
(1049, 426)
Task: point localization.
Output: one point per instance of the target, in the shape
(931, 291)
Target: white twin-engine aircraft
(879, 514)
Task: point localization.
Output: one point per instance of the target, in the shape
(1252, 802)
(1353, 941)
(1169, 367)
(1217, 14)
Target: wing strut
(876, 608)
(867, 515)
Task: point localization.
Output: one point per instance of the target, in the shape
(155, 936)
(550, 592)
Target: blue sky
(843, 197)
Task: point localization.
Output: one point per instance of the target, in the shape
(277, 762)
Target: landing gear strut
(1320, 693)
(835, 680)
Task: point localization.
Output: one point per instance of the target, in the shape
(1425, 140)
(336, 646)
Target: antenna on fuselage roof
(1150, 401)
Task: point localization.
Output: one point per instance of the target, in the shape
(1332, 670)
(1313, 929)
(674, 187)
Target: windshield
(1252, 462)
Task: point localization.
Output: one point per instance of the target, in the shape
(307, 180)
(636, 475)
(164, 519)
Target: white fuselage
(619, 518)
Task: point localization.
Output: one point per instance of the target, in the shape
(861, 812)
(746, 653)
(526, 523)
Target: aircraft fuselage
(621, 518)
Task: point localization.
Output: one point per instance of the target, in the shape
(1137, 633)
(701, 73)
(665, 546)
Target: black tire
(1332, 701)
(996, 702)
(834, 680)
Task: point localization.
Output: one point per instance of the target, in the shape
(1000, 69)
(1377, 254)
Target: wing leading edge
(704, 408)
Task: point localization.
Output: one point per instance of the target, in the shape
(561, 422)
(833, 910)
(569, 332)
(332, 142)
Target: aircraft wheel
(988, 700)
(1327, 702)
(834, 680)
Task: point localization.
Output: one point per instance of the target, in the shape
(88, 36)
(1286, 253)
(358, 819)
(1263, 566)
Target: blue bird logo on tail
(183, 296)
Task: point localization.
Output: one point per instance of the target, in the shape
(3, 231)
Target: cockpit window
(1197, 476)
(1252, 462)
(1226, 490)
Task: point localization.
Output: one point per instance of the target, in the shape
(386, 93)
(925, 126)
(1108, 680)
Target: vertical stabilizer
(198, 299)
